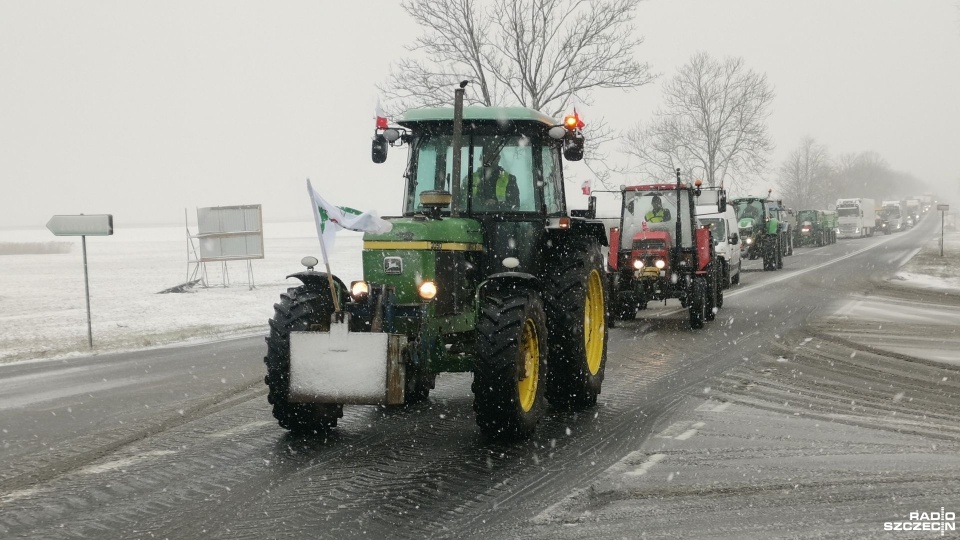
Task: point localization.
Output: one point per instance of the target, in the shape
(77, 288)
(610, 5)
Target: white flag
(330, 219)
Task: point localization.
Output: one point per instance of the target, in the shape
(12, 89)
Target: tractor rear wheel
(300, 309)
(576, 317)
(698, 302)
(510, 374)
(780, 256)
(769, 250)
(626, 307)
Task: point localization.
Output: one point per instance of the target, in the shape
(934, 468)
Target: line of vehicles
(862, 217)
(488, 272)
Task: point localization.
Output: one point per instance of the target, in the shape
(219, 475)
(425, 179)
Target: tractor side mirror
(734, 239)
(379, 148)
(573, 147)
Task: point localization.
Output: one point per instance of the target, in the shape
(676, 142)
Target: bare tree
(806, 176)
(712, 124)
(541, 54)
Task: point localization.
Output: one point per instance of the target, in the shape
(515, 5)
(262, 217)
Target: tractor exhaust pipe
(457, 144)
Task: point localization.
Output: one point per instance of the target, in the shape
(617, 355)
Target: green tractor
(485, 272)
(815, 228)
(760, 231)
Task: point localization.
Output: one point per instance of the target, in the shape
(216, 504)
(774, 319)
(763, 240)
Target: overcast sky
(142, 109)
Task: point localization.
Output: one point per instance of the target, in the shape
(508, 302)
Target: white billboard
(229, 233)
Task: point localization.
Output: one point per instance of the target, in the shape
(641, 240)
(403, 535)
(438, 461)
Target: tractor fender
(318, 281)
(580, 228)
(590, 228)
(506, 278)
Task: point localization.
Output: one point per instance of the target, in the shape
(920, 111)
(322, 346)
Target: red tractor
(660, 252)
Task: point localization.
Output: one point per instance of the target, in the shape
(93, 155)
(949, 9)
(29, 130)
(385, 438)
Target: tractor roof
(477, 113)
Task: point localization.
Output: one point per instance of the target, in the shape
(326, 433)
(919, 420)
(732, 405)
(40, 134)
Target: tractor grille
(649, 244)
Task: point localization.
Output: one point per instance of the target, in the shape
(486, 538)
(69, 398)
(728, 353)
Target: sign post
(943, 210)
(83, 226)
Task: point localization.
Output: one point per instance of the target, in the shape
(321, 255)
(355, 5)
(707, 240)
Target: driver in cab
(657, 214)
(494, 187)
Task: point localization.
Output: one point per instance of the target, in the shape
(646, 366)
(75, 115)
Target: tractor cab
(660, 251)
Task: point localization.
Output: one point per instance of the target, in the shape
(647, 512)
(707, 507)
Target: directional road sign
(82, 225)
(943, 207)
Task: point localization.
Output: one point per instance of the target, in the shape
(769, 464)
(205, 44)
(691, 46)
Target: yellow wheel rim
(593, 327)
(529, 377)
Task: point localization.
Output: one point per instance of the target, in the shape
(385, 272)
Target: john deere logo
(392, 265)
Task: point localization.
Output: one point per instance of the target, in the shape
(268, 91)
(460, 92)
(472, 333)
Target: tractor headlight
(359, 289)
(660, 264)
(638, 264)
(749, 241)
(427, 290)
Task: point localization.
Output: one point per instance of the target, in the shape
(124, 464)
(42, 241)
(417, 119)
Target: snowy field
(43, 309)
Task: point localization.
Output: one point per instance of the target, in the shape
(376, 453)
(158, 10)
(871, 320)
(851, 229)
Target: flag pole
(333, 288)
(323, 249)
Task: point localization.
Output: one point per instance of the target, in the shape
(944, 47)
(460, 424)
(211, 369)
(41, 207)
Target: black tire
(512, 326)
(300, 309)
(625, 307)
(780, 256)
(575, 301)
(419, 381)
(719, 299)
(735, 280)
(698, 303)
(769, 251)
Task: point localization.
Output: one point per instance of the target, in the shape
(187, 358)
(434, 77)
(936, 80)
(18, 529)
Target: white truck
(892, 213)
(914, 209)
(857, 217)
(726, 235)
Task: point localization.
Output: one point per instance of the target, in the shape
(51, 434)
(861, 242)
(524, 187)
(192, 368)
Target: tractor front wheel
(509, 377)
(300, 309)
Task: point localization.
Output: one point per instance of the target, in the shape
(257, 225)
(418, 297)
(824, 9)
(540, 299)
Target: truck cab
(726, 237)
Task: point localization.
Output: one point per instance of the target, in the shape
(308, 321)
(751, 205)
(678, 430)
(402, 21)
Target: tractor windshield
(497, 173)
(807, 215)
(749, 209)
(656, 210)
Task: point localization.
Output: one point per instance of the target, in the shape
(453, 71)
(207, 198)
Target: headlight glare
(359, 289)
(427, 290)
(660, 264)
(638, 264)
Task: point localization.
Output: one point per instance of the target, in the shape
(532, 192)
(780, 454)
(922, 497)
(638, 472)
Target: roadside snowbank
(928, 270)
